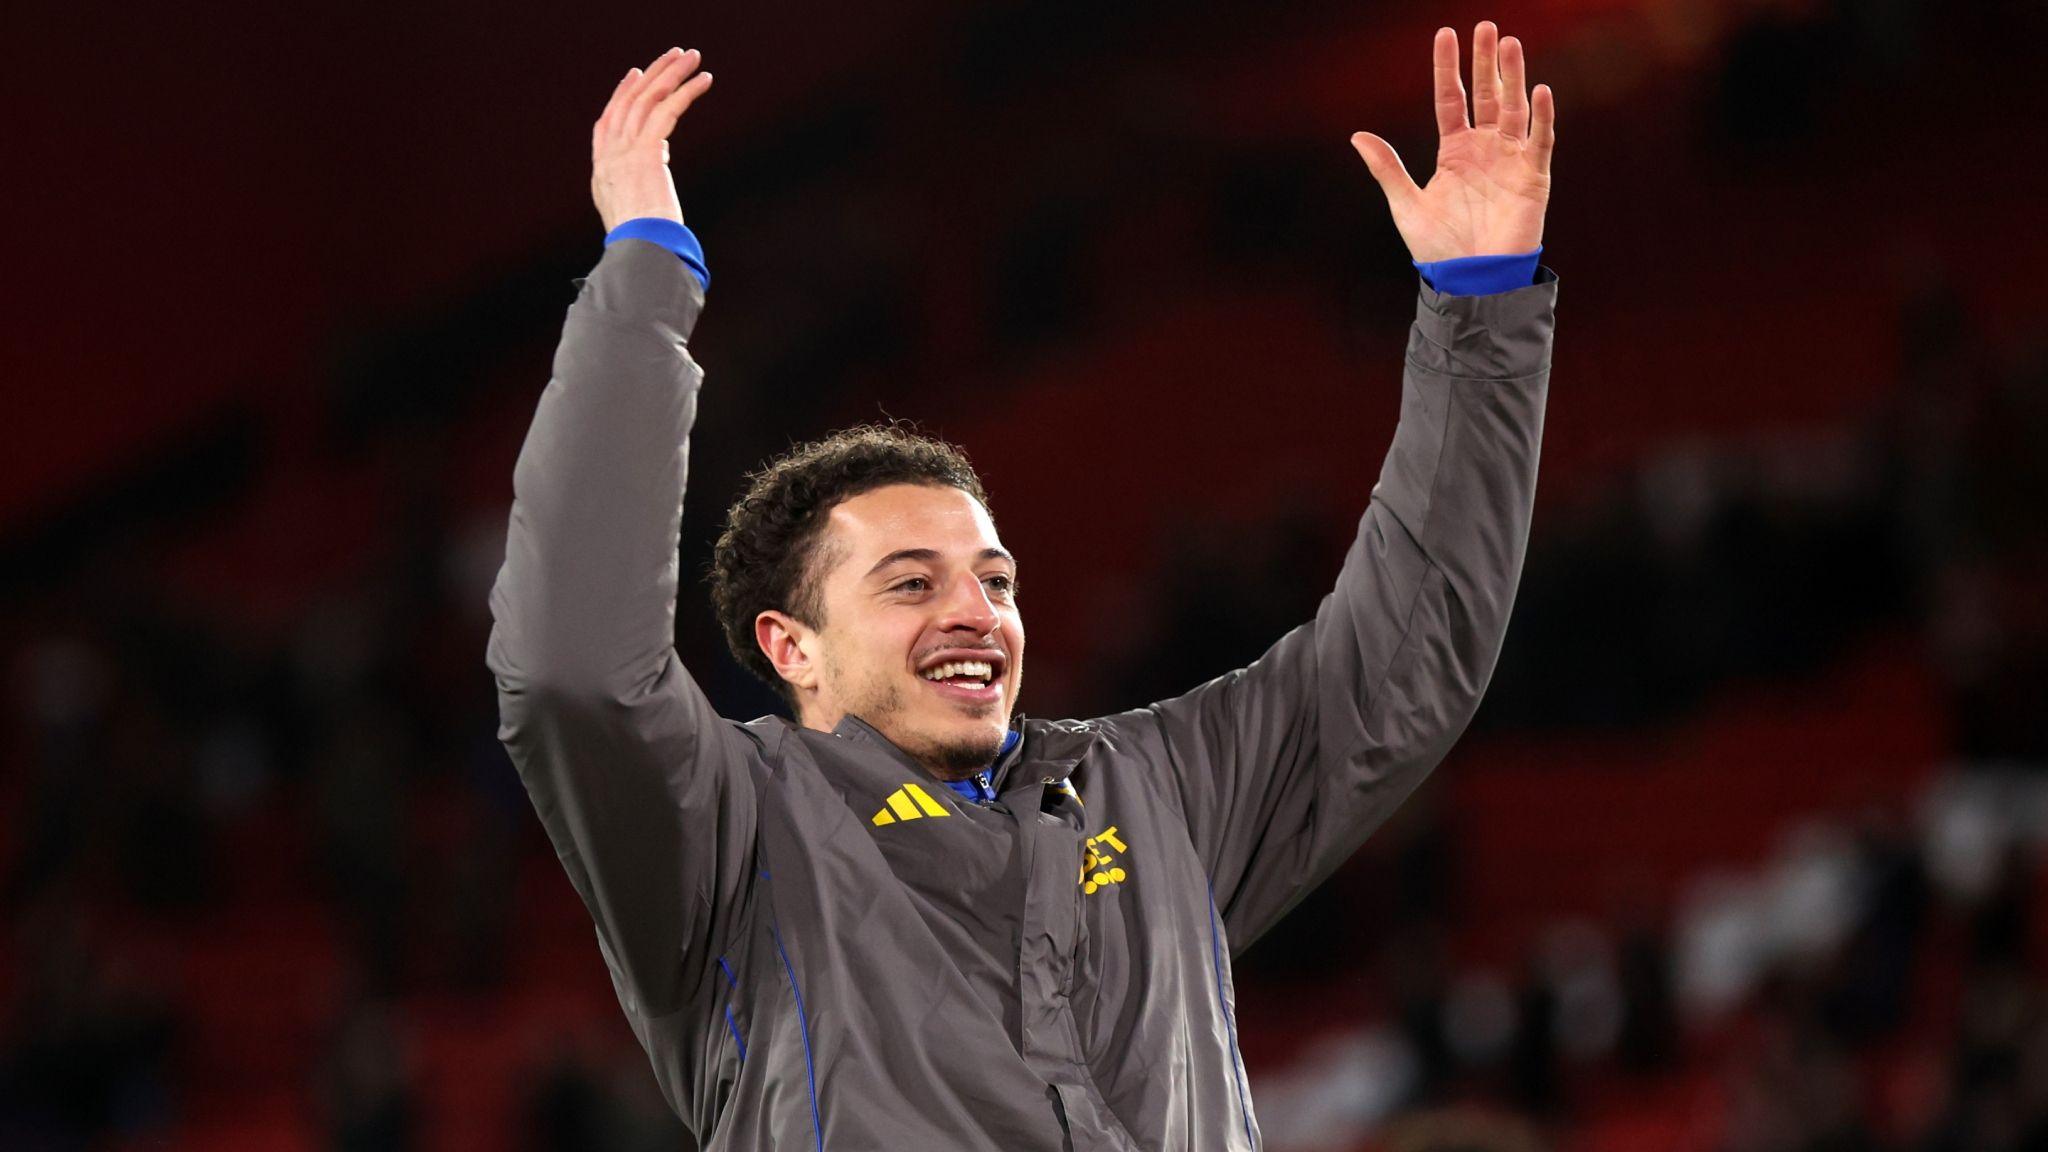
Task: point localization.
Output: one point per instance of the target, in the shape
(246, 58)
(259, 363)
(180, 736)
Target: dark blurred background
(1742, 854)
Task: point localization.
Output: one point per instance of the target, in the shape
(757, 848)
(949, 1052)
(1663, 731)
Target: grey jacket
(820, 946)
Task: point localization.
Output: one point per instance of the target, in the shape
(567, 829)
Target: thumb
(1386, 167)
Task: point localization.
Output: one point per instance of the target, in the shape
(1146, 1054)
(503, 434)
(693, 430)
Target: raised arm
(1284, 767)
(643, 789)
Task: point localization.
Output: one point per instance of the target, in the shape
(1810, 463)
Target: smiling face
(921, 635)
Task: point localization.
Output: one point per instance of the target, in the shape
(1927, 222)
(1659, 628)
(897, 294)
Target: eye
(913, 585)
(1002, 583)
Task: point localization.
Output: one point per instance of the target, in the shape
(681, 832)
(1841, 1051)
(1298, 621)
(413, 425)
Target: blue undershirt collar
(978, 789)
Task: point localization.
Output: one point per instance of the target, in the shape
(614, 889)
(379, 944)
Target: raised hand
(629, 175)
(1492, 179)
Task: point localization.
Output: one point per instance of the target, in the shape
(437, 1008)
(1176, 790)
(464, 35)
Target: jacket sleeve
(1284, 767)
(646, 793)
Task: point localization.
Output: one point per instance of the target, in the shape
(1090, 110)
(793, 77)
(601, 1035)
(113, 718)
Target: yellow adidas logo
(908, 803)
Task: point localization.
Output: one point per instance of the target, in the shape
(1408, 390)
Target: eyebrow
(928, 555)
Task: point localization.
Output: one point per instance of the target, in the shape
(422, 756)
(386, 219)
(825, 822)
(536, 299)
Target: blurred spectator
(1798, 1094)
(1464, 1130)
(365, 1094)
(1997, 1099)
(88, 1041)
(564, 1107)
(1649, 1028)
(1874, 981)
(2002, 924)
(584, 1094)
(1419, 977)
(1535, 1083)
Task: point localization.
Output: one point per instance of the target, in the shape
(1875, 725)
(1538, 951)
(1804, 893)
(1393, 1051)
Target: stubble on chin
(960, 757)
(952, 757)
(956, 756)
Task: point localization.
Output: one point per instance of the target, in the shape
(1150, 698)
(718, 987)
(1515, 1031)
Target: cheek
(890, 642)
(869, 636)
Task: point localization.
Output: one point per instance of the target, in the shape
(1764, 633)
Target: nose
(967, 608)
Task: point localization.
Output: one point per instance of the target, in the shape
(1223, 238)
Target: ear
(790, 646)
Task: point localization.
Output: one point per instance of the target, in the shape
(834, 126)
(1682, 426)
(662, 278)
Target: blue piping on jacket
(731, 1024)
(803, 1025)
(1229, 1025)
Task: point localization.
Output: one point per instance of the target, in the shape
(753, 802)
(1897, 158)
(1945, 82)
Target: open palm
(1492, 180)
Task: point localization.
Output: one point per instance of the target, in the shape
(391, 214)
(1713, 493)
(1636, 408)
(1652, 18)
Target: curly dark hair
(765, 557)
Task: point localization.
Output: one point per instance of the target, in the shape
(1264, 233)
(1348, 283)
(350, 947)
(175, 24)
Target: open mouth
(966, 676)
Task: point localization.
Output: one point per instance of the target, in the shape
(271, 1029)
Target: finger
(662, 77)
(667, 89)
(1450, 94)
(663, 119)
(649, 91)
(599, 130)
(1385, 165)
(1514, 96)
(1543, 134)
(615, 111)
(1485, 74)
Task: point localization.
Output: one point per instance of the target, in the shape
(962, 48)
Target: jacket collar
(1042, 750)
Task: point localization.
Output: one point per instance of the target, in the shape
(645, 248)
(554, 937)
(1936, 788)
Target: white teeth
(978, 669)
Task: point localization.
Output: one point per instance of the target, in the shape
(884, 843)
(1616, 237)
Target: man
(912, 920)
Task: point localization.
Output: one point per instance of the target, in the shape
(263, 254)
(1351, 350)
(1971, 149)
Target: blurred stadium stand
(1744, 852)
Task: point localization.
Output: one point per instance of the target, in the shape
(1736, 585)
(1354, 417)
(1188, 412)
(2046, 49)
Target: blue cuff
(669, 235)
(1480, 275)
